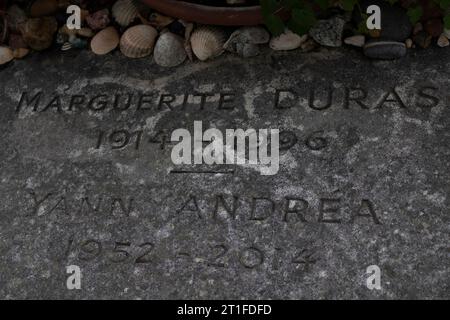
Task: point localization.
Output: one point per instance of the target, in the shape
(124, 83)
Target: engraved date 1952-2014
(215, 255)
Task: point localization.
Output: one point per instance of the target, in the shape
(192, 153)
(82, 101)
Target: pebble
(328, 32)
(385, 50)
(422, 39)
(169, 50)
(418, 27)
(357, 41)
(287, 41)
(246, 41)
(443, 41)
(409, 43)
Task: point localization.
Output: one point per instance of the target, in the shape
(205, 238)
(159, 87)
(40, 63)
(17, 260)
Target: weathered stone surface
(97, 188)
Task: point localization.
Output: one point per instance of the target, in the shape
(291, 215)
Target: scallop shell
(66, 46)
(124, 12)
(138, 41)
(105, 41)
(169, 50)
(6, 55)
(38, 32)
(207, 42)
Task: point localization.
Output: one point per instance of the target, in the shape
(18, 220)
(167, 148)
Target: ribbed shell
(105, 41)
(124, 12)
(207, 42)
(6, 55)
(138, 41)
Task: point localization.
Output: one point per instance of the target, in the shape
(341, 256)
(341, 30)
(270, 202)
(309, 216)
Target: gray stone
(246, 41)
(328, 32)
(363, 180)
(385, 50)
(169, 50)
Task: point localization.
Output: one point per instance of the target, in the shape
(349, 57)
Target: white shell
(169, 50)
(6, 55)
(105, 41)
(124, 12)
(287, 41)
(207, 42)
(138, 41)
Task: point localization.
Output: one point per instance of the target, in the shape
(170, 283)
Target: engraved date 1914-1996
(123, 138)
(219, 255)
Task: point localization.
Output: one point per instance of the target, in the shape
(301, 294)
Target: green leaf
(302, 20)
(447, 21)
(414, 14)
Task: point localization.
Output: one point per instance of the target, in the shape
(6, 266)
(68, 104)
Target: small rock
(443, 41)
(328, 32)
(385, 50)
(418, 27)
(246, 40)
(423, 39)
(287, 41)
(308, 45)
(434, 27)
(409, 43)
(357, 41)
(169, 50)
(98, 20)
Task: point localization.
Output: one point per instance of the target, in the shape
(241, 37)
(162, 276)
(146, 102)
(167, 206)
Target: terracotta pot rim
(204, 14)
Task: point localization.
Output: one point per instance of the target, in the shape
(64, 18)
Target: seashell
(38, 32)
(41, 8)
(287, 41)
(138, 41)
(125, 12)
(443, 41)
(98, 20)
(169, 50)
(189, 28)
(20, 53)
(207, 42)
(105, 41)
(6, 55)
(16, 18)
(245, 41)
(66, 46)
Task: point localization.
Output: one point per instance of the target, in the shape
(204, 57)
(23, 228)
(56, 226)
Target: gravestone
(87, 178)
